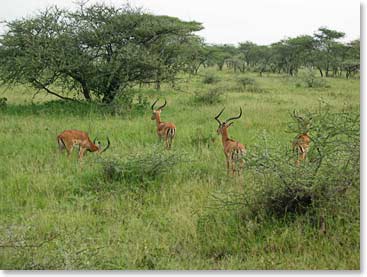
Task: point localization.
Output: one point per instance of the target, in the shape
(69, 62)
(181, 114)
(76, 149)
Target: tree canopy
(322, 51)
(97, 50)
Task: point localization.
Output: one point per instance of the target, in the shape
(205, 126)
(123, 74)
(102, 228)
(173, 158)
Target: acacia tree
(326, 42)
(220, 53)
(98, 50)
(247, 50)
(351, 63)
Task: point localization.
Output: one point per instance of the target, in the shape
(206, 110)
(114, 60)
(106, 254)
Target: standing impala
(165, 130)
(302, 141)
(233, 150)
(70, 138)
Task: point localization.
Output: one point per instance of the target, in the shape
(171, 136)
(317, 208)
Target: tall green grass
(58, 214)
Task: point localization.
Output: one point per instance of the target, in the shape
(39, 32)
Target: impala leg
(170, 139)
(233, 167)
(228, 164)
(170, 142)
(304, 154)
(69, 150)
(166, 143)
(81, 153)
(240, 167)
(236, 164)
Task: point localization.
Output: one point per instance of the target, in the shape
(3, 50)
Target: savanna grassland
(59, 214)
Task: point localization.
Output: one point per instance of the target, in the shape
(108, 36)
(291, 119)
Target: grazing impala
(233, 150)
(302, 141)
(165, 130)
(70, 138)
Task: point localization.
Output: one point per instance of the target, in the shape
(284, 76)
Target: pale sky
(232, 21)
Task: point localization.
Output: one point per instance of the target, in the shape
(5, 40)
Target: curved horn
(154, 103)
(94, 141)
(236, 117)
(165, 103)
(216, 118)
(108, 145)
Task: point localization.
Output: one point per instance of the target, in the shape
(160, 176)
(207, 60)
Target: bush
(309, 79)
(3, 102)
(331, 167)
(210, 97)
(140, 169)
(210, 78)
(248, 84)
(318, 185)
(130, 101)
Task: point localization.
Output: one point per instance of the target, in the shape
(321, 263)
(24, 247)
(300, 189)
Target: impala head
(158, 110)
(304, 124)
(225, 124)
(99, 145)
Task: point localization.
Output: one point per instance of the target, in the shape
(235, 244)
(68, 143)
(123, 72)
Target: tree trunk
(158, 85)
(86, 91)
(291, 71)
(111, 92)
(320, 70)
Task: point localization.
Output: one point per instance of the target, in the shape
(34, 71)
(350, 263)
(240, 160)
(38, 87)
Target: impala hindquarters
(301, 143)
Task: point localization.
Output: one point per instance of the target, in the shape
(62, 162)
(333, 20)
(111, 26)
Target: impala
(70, 138)
(233, 150)
(302, 141)
(165, 130)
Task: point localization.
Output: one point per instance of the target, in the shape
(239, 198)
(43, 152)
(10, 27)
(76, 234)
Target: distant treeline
(321, 51)
(98, 51)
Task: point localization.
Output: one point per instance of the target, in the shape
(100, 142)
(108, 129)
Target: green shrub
(3, 102)
(210, 78)
(210, 97)
(248, 84)
(318, 185)
(308, 79)
(330, 169)
(128, 102)
(140, 169)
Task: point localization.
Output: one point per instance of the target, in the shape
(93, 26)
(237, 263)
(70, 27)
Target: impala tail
(171, 132)
(238, 154)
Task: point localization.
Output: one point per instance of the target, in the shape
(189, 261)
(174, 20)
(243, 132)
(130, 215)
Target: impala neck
(225, 135)
(158, 119)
